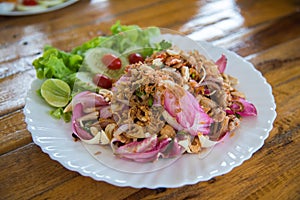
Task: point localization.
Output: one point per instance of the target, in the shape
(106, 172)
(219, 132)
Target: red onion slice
(221, 62)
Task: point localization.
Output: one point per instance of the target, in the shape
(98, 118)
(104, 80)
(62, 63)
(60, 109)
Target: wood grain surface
(264, 32)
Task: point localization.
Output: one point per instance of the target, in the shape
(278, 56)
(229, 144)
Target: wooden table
(264, 32)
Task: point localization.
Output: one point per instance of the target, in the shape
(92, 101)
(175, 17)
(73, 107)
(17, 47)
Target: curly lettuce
(55, 63)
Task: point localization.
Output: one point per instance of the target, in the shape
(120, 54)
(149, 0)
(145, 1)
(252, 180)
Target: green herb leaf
(59, 114)
(150, 101)
(165, 45)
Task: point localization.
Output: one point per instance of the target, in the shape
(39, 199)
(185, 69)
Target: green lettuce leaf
(95, 42)
(55, 63)
(118, 28)
(123, 39)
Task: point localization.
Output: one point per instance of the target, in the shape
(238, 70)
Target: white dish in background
(38, 11)
(54, 138)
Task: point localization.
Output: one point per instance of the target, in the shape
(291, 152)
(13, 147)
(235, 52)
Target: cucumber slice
(49, 3)
(30, 8)
(92, 62)
(84, 81)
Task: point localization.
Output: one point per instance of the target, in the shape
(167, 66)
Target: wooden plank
(63, 35)
(264, 36)
(232, 20)
(18, 65)
(274, 58)
(27, 171)
(257, 12)
(273, 190)
(14, 90)
(13, 132)
(86, 188)
(239, 11)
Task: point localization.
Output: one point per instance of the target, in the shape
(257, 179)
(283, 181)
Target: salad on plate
(146, 99)
(20, 6)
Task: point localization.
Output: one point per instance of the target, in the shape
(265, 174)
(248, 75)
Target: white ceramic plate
(33, 12)
(54, 137)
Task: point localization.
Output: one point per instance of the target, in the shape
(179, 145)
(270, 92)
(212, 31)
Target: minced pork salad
(147, 101)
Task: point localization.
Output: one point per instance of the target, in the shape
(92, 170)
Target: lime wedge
(56, 92)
